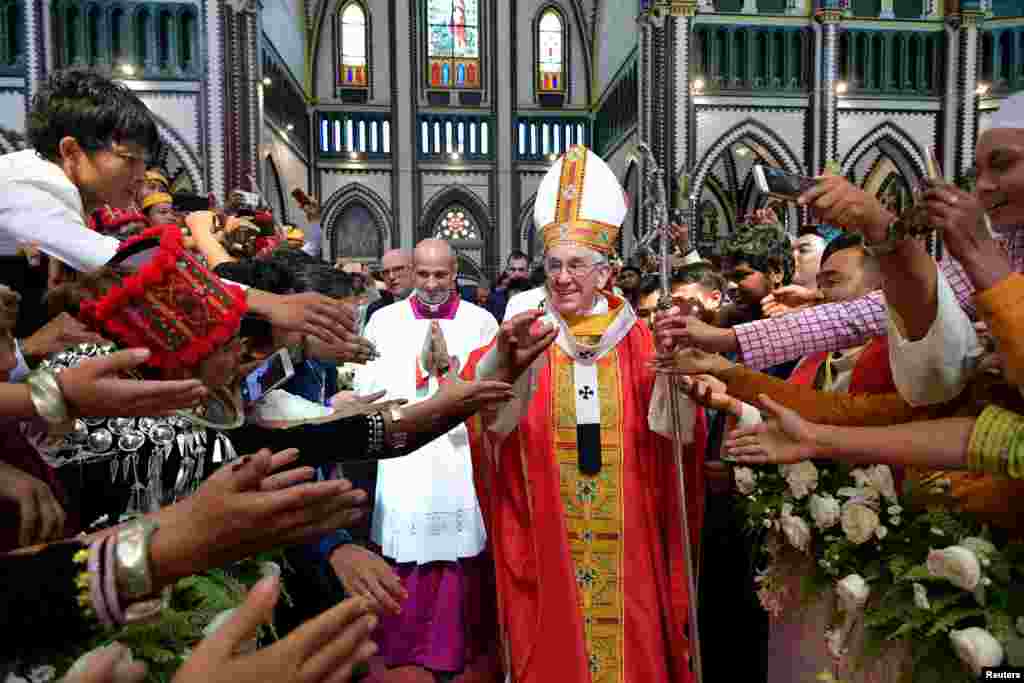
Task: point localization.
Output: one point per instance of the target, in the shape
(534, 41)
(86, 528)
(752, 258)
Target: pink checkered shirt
(833, 327)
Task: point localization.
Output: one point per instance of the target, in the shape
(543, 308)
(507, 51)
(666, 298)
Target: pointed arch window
(353, 65)
(453, 44)
(551, 48)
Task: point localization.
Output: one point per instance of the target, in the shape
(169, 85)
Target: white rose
(801, 477)
(895, 510)
(881, 480)
(853, 592)
(982, 549)
(824, 511)
(797, 532)
(956, 564)
(859, 522)
(977, 648)
(921, 596)
(744, 477)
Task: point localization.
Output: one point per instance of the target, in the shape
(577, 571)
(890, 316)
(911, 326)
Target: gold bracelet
(47, 397)
(996, 434)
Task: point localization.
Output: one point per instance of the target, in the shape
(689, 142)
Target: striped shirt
(838, 326)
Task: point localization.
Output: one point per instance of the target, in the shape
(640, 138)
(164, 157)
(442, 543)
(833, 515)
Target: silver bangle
(134, 579)
(47, 396)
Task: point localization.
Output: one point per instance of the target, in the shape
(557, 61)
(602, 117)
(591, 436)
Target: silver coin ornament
(162, 434)
(131, 440)
(101, 440)
(146, 424)
(121, 425)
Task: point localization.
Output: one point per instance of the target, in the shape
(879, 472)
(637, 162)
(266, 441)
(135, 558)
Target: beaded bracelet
(996, 445)
(376, 437)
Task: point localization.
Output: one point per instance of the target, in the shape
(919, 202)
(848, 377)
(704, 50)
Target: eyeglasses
(576, 269)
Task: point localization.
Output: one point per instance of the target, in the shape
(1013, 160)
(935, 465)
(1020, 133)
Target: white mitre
(580, 202)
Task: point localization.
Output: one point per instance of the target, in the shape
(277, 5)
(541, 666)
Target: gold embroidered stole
(594, 512)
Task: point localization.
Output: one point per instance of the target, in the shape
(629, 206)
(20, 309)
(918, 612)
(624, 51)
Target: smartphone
(781, 184)
(184, 202)
(271, 373)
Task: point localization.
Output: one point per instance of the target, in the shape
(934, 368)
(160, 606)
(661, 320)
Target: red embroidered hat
(172, 304)
(109, 219)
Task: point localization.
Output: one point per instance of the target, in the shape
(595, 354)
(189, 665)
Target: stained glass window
(353, 71)
(453, 43)
(456, 224)
(551, 58)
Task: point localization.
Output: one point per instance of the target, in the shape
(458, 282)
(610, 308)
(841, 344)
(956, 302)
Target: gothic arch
(897, 138)
(457, 194)
(755, 131)
(173, 140)
(346, 196)
(322, 29)
(764, 138)
(274, 190)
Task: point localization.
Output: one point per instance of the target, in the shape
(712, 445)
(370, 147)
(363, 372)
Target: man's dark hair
(847, 240)
(263, 275)
(765, 248)
(292, 260)
(324, 279)
(91, 108)
(702, 274)
(632, 268)
(516, 254)
(649, 285)
(517, 285)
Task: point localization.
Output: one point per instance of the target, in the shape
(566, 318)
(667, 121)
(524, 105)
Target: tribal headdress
(172, 304)
(580, 202)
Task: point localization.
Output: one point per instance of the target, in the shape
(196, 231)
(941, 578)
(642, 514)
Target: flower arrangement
(911, 568)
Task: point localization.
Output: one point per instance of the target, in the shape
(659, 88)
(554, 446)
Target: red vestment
(590, 573)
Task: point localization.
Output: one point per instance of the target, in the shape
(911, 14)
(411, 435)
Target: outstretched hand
(521, 339)
(326, 648)
(784, 438)
(711, 392)
(248, 507)
(94, 388)
(689, 361)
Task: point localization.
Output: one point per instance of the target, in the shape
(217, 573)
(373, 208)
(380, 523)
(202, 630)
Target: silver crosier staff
(657, 202)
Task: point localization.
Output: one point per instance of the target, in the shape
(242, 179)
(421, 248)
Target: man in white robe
(426, 519)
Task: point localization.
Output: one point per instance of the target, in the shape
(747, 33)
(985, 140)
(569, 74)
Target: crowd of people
(496, 494)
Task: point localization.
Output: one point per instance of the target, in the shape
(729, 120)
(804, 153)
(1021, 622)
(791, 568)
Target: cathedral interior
(412, 119)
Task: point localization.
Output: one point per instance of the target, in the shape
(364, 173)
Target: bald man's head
(434, 270)
(396, 269)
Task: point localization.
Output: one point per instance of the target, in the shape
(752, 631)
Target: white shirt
(937, 367)
(40, 205)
